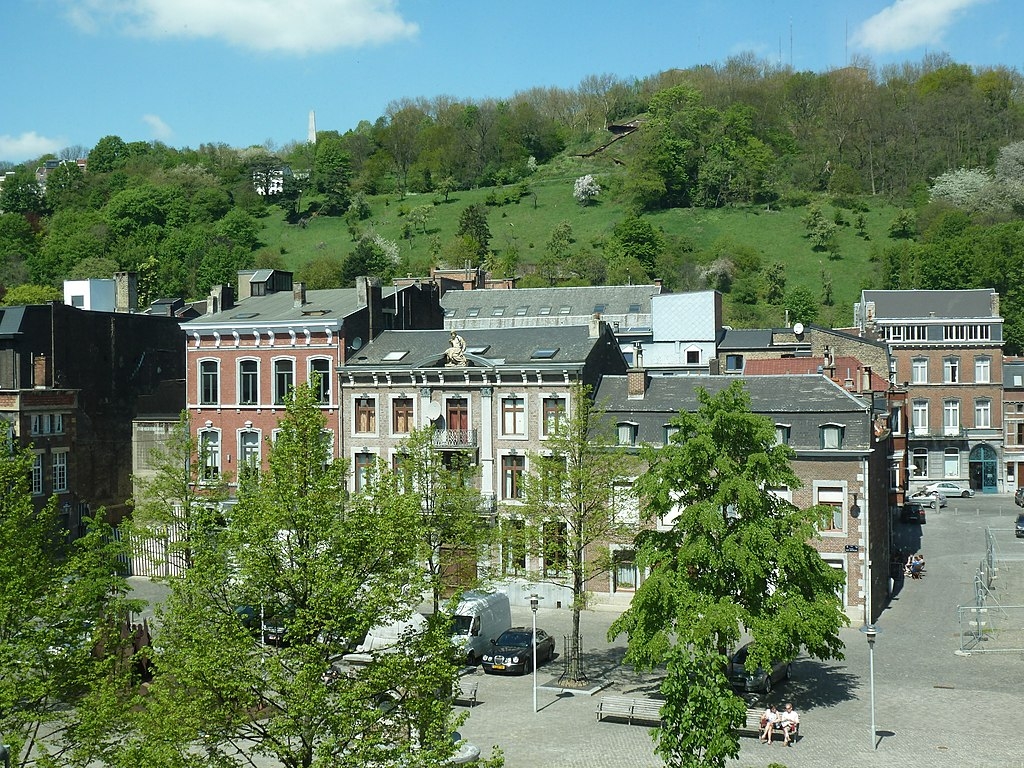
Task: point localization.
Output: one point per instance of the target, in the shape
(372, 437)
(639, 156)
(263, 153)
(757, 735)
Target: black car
(513, 650)
(1019, 526)
(759, 680)
(913, 512)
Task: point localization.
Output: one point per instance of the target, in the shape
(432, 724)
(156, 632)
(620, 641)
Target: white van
(479, 618)
(383, 638)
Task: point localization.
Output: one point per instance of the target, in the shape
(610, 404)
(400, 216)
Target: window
(320, 373)
(832, 498)
(919, 464)
(624, 574)
(520, 311)
(627, 433)
(248, 382)
(498, 311)
(47, 423)
(782, 434)
(670, 431)
(693, 357)
(555, 549)
(513, 416)
(552, 411)
(60, 471)
(209, 382)
(513, 542)
(37, 474)
(919, 370)
(951, 417)
(832, 436)
(896, 420)
(249, 449)
(951, 370)
(209, 451)
(512, 468)
(983, 414)
(734, 363)
(284, 380)
(552, 477)
(361, 469)
(951, 462)
(366, 415)
(401, 415)
(982, 370)
(457, 413)
(920, 416)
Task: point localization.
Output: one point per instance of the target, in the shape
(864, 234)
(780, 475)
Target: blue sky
(246, 72)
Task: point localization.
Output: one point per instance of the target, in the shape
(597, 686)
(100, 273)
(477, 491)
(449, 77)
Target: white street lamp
(534, 602)
(871, 631)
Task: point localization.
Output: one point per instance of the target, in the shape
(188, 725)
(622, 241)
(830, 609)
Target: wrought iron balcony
(455, 439)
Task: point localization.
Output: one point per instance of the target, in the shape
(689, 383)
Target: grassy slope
(778, 235)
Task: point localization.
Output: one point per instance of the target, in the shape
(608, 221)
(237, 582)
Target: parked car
(950, 489)
(932, 499)
(913, 512)
(759, 680)
(1019, 526)
(513, 650)
(1018, 497)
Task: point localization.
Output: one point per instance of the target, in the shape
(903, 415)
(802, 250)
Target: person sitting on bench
(768, 721)
(790, 721)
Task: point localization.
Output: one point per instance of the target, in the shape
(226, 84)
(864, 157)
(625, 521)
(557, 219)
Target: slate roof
(279, 307)
(783, 394)
(745, 338)
(922, 305)
(572, 346)
(582, 301)
(1013, 373)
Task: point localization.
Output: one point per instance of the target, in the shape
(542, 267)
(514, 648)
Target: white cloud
(27, 146)
(161, 131)
(286, 26)
(908, 24)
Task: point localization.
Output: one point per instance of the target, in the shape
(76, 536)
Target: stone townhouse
(839, 461)
(493, 392)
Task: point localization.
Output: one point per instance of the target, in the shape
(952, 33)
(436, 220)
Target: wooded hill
(785, 190)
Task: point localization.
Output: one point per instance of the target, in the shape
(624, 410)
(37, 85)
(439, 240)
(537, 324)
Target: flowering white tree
(967, 188)
(586, 189)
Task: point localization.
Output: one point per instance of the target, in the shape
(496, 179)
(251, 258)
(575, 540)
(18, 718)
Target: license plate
(498, 666)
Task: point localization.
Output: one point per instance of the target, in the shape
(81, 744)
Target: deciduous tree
(736, 559)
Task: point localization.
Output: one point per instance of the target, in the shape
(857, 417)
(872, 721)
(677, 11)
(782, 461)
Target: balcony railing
(455, 438)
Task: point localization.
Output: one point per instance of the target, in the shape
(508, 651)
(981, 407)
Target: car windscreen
(514, 639)
(461, 625)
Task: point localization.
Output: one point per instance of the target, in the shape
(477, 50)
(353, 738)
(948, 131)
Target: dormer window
(832, 436)
(627, 433)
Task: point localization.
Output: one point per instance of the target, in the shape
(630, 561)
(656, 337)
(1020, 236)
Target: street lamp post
(5, 755)
(534, 602)
(871, 632)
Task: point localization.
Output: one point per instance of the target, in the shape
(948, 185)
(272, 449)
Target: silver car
(933, 499)
(759, 680)
(948, 488)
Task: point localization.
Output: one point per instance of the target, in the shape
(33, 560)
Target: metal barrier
(988, 626)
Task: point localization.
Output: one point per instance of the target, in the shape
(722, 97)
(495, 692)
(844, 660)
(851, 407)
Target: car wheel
(965, 494)
(471, 659)
(768, 685)
(789, 668)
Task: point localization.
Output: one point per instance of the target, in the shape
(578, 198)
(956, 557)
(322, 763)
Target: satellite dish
(432, 411)
(798, 328)
(356, 343)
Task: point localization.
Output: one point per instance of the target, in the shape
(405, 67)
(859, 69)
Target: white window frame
(519, 419)
(919, 453)
(951, 463)
(919, 370)
(983, 370)
(359, 471)
(241, 377)
(203, 375)
(626, 433)
(37, 473)
(951, 370)
(59, 460)
(281, 398)
(326, 383)
(249, 450)
(834, 494)
(919, 412)
(983, 413)
(212, 456)
(950, 417)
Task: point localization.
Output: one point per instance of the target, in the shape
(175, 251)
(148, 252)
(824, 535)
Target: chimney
(596, 326)
(636, 377)
(368, 294)
(126, 291)
(995, 304)
(299, 294)
(40, 371)
(865, 379)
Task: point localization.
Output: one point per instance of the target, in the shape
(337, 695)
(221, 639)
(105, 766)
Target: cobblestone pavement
(933, 706)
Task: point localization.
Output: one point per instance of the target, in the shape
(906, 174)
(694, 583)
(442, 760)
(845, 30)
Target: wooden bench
(752, 727)
(640, 710)
(465, 692)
